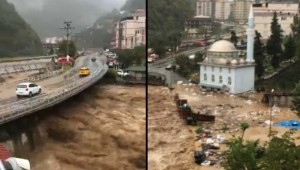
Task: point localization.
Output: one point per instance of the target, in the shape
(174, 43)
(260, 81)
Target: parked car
(28, 89)
(84, 71)
(122, 73)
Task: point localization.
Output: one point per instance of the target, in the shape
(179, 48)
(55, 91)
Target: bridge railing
(20, 108)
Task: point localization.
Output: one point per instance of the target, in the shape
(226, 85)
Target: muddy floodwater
(102, 128)
(172, 143)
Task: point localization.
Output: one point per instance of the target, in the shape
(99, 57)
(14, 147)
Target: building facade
(223, 9)
(197, 26)
(241, 10)
(263, 14)
(204, 8)
(130, 32)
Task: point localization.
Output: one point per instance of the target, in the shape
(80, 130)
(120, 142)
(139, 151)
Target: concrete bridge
(58, 89)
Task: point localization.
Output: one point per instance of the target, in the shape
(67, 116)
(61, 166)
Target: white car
(28, 89)
(122, 73)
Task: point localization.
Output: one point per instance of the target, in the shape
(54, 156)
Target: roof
(136, 69)
(222, 46)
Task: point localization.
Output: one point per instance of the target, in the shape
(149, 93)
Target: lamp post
(171, 71)
(271, 110)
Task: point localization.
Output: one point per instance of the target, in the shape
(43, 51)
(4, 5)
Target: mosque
(223, 69)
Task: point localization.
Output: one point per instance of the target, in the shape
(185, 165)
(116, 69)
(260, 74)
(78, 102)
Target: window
(204, 68)
(205, 77)
(229, 70)
(220, 79)
(220, 69)
(213, 78)
(229, 80)
(212, 68)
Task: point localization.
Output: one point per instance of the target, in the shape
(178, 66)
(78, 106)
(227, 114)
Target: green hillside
(101, 37)
(166, 22)
(131, 5)
(17, 37)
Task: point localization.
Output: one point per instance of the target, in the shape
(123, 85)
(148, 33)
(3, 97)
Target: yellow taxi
(84, 71)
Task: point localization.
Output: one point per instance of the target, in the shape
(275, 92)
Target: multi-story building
(263, 15)
(198, 25)
(223, 9)
(130, 32)
(204, 8)
(240, 10)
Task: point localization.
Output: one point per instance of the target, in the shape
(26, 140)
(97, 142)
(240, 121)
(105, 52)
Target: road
(7, 95)
(159, 66)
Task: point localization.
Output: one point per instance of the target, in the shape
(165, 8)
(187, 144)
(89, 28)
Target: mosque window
(205, 77)
(204, 68)
(229, 70)
(213, 78)
(220, 69)
(229, 80)
(212, 68)
(220, 79)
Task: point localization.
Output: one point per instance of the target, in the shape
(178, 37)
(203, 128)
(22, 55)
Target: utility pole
(68, 28)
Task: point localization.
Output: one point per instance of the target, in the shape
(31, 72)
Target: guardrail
(21, 108)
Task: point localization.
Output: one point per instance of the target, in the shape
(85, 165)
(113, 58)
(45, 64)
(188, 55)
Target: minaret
(250, 36)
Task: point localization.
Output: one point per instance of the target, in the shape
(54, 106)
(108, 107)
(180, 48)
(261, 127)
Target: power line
(68, 28)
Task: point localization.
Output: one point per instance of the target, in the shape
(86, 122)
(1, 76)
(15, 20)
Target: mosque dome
(222, 46)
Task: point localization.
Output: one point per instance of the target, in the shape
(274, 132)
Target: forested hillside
(100, 34)
(134, 4)
(166, 20)
(17, 37)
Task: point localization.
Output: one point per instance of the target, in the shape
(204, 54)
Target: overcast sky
(47, 16)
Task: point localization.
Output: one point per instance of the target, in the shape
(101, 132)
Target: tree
(281, 154)
(274, 42)
(185, 65)
(259, 55)
(63, 48)
(166, 22)
(241, 156)
(296, 98)
(289, 48)
(244, 127)
(128, 57)
(233, 38)
(51, 52)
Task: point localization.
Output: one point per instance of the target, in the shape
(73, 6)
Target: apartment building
(223, 9)
(240, 10)
(198, 25)
(205, 8)
(130, 32)
(263, 15)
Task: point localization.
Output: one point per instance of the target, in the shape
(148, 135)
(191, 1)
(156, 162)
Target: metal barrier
(21, 108)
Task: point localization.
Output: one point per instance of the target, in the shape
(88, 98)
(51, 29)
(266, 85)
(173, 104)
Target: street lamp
(271, 110)
(171, 71)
